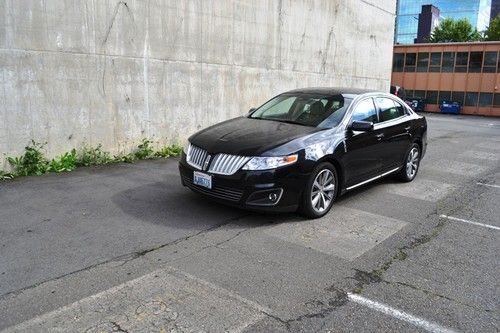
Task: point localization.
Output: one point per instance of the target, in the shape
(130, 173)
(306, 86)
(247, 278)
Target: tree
(450, 30)
(492, 33)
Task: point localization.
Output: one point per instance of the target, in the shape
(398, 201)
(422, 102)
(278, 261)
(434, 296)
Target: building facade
(407, 12)
(467, 73)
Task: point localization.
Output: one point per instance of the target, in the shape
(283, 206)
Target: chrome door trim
(372, 179)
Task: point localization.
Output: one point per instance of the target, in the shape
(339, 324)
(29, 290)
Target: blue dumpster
(449, 107)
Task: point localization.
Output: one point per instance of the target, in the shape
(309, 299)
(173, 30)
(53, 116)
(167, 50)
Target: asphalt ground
(127, 248)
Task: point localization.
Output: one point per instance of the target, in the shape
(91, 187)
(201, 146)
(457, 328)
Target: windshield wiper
(282, 121)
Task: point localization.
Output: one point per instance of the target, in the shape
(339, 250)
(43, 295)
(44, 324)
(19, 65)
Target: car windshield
(304, 109)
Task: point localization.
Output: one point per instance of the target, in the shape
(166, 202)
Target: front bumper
(248, 189)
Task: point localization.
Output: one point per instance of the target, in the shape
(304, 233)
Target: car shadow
(170, 204)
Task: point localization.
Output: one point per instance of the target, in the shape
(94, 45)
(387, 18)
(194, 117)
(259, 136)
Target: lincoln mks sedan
(304, 148)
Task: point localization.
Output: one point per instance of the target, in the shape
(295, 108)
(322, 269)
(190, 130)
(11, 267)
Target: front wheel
(320, 191)
(411, 164)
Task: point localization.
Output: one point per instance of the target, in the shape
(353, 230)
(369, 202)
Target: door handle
(407, 128)
(379, 136)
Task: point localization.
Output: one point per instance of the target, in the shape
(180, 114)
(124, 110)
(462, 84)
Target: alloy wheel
(323, 190)
(412, 163)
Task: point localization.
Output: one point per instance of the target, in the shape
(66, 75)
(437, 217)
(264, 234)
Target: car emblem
(207, 162)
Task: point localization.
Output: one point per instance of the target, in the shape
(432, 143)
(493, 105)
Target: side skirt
(372, 179)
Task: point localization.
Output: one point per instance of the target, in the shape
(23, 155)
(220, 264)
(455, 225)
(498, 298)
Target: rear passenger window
(365, 111)
(389, 109)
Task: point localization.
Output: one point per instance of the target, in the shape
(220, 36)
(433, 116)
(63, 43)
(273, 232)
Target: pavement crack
(325, 308)
(117, 327)
(434, 294)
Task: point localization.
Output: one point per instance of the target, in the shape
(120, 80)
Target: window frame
(355, 106)
(389, 121)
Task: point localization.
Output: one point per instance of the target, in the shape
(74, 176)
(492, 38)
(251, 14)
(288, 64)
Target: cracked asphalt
(125, 248)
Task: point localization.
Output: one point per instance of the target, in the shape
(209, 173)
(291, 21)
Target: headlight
(266, 163)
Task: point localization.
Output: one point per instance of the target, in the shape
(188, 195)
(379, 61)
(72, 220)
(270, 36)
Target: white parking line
(426, 325)
(489, 185)
(469, 222)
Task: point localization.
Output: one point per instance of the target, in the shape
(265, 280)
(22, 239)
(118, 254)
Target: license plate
(202, 179)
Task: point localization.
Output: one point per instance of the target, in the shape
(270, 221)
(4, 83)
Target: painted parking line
(451, 218)
(398, 314)
(488, 185)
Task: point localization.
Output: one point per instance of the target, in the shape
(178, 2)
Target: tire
(324, 182)
(411, 164)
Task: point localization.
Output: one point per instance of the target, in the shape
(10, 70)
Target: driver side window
(365, 111)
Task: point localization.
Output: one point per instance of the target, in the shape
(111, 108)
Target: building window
(490, 62)
(435, 65)
(485, 99)
(476, 60)
(398, 62)
(496, 100)
(423, 62)
(432, 97)
(419, 93)
(471, 98)
(409, 93)
(461, 62)
(444, 96)
(410, 62)
(448, 61)
(458, 96)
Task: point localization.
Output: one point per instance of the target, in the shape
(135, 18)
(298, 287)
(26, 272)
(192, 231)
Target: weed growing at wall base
(34, 163)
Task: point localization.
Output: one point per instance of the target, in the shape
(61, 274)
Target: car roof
(332, 91)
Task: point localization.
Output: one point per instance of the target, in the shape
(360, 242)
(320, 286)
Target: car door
(362, 149)
(394, 125)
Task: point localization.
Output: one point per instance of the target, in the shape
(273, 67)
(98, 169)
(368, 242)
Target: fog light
(269, 197)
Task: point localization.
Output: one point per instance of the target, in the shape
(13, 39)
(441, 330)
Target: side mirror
(251, 110)
(361, 126)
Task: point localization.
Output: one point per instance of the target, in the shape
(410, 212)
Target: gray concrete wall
(113, 72)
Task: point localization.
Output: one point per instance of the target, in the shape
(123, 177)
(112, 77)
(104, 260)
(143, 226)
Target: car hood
(247, 136)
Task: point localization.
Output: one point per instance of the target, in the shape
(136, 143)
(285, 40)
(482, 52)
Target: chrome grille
(225, 164)
(197, 157)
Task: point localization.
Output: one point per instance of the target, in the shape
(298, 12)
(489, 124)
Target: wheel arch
(339, 168)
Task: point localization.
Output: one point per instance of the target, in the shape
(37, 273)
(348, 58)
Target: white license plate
(202, 179)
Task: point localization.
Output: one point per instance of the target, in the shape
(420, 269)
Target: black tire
(405, 175)
(306, 207)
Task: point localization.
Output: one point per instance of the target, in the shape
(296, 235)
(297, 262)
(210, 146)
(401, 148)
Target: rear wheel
(320, 191)
(412, 162)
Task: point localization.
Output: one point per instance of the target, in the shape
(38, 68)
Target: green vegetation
(64, 163)
(492, 33)
(450, 30)
(93, 156)
(145, 151)
(34, 163)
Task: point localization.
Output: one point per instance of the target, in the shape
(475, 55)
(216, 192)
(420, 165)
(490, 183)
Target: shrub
(32, 162)
(167, 151)
(64, 163)
(144, 150)
(93, 156)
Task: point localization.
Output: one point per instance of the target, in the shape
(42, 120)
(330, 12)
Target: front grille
(225, 164)
(219, 192)
(196, 157)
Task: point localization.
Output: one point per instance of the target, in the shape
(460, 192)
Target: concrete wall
(113, 72)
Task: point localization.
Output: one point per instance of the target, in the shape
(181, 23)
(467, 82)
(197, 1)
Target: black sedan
(304, 148)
